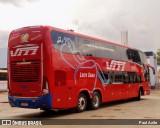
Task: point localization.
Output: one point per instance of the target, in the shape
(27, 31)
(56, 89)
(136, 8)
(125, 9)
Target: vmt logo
(24, 51)
(115, 65)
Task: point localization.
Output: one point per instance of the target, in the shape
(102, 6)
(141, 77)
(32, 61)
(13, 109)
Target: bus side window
(139, 78)
(130, 78)
(134, 78)
(126, 78)
(104, 76)
(147, 77)
(111, 77)
(118, 77)
(133, 55)
(86, 46)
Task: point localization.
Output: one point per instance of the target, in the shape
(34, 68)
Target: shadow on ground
(58, 113)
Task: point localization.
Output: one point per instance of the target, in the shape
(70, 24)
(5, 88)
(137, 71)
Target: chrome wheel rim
(95, 101)
(82, 103)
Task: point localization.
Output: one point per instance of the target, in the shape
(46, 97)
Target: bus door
(60, 89)
(132, 84)
(71, 90)
(128, 86)
(119, 86)
(115, 91)
(109, 87)
(64, 92)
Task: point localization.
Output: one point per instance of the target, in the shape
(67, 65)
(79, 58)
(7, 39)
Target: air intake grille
(25, 71)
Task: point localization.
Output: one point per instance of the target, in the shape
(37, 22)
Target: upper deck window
(143, 57)
(64, 42)
(69, 43)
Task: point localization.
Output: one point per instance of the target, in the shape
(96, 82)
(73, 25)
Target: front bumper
(44, 102)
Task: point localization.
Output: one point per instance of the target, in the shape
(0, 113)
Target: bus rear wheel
(95, 101)
(82, 103)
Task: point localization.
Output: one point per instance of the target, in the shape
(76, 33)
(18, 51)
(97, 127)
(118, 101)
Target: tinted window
(64, 42)
(118, 77)
(76, 45)
(104, 75)
(133, 55)
(104, 50)
(143, 57)
(126, 77)
(134, 77)
(121, 53)
(86, 46)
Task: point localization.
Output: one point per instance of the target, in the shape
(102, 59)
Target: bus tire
(82, 102)
(95, 101)
(46, 110)
(138, 98)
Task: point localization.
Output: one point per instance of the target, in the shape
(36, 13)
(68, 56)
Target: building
(158, 77)
(3, 67)
(3, 58)
(152, 60)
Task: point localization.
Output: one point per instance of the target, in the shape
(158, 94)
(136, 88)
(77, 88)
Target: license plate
(24, 104)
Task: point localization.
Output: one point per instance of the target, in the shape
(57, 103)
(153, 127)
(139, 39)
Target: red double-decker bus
(51, 68)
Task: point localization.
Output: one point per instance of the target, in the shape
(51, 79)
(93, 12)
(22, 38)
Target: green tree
(158, 56)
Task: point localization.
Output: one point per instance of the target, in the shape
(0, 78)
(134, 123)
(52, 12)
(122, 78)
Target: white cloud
(16, 3)
(100, 18)
(4, 38)
(106, 19)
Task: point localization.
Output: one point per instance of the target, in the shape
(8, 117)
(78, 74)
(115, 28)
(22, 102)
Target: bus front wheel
(138, 98)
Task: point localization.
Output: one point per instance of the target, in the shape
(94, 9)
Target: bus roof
(76, 34)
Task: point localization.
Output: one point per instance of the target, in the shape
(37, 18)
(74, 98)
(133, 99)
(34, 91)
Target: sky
(104, 19)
